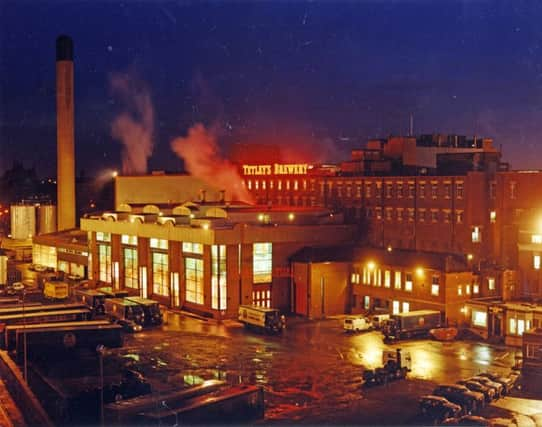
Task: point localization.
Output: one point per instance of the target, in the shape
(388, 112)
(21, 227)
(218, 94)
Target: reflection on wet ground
(311, 373)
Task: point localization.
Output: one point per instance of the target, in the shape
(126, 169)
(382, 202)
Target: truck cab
(151, 308)
(266, 319)
(129, 314)
(93, 298)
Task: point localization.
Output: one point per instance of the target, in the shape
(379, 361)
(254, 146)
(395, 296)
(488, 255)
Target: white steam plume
(202, 159)
(133, 127)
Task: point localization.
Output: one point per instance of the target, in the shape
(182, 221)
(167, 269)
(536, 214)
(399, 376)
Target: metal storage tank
(23, 221)
(47, 219)
(3, 268)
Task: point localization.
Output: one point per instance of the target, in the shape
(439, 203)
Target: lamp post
(100, 349)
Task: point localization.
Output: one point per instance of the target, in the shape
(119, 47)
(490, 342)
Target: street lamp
(100, 349)
(25, 364)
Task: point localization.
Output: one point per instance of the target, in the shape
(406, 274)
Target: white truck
(266, 319)
(356, 324)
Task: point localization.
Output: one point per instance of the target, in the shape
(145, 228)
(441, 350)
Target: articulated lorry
(412, 324)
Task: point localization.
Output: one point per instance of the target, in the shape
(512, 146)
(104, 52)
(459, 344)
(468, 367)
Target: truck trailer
(412, 324)
(265, 319)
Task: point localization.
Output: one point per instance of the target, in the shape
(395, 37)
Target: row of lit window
(400, 190)
(280, 185)
(409, 214)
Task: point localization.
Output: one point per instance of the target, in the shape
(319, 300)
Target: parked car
(472, 385)
(18, 286)
(468, 420)
(378, 320)
(133, 384)
(507, 383)
(438, 408)
(492, 384)
(470, 401)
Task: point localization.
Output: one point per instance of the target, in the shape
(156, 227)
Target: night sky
(323, 74)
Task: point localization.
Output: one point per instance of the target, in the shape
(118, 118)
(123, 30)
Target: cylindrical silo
(3, 268)
(47, 219)
(23, 221)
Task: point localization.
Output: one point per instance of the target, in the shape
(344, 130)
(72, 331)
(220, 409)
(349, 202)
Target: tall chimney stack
(65, 175)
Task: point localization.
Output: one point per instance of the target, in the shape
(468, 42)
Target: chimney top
(64, 48)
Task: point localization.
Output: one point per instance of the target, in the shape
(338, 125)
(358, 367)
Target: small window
(476, 235)
(408, 282)
(459, 290)
(406, 307)
(536, 238)
(459, 190)
(536, 262)
(435, 285)
(491, 283)
(492, 217)
(475, 289)
(397, 281)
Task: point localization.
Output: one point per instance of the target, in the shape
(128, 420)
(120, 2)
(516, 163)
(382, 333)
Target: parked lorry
(266, 319)
(151, 308)
(55, 289)
(94, 299)
(126, 313)
(397, 364)
(412, 324)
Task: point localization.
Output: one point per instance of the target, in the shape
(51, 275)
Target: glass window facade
(104, 263)
(193, 248)
(44, 255)
(262, 262)
(193, 268)
(160, 273)
(219, 282)
(130, 268)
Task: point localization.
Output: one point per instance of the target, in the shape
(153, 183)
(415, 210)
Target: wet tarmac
(311, 373)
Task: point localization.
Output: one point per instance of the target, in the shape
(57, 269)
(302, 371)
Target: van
(356, 324)
(378, 320)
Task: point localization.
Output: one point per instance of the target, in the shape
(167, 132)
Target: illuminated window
(399, 190)
(256, 184)
(536, 238)
(45, 255)
(368, 191)
(158, 243)
(264, 184)
(434, 191)
(476, 234)
(447, 190)
(434, 215)
(421, 191)
(459, 290)
(400, 212)
(160, 273)
(389, 214)
(287, 184)
(459, 190)
(512, 326)
(408, 282)
(271, 184)
(387, 278)
(304, 184)
(193, 248)
(130, 268)
(377, 275)
(193, 268)
(296, 185)
(218, 277)
(410, 214)
(103, 237)
(262, 298)
(406, 307)
(366, 276)
(378, 191)
(435, 286)
(249, 184)
(104, 261)
(491, 283)
(459, 217)
(447, 215)
(521, 326)
(492, 217)
(280, 184)
(378, 213)
(421, 215)
(467, 289)
(389, 190)
(397, 281)
(411, 190)
(475, 289)
(536, 262)
(262, 262)
(128, 240)
(367, 302)
(395, 307)
(479, 318)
